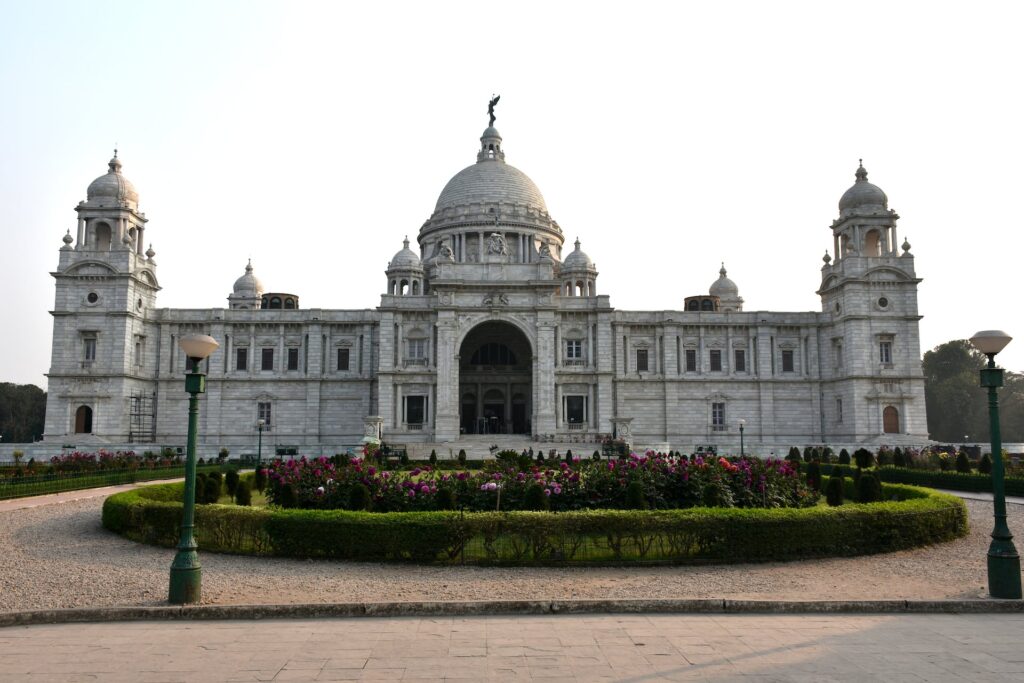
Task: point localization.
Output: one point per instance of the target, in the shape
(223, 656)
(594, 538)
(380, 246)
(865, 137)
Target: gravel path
(57, 556)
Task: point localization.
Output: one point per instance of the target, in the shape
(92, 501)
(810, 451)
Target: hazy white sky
(668, 136)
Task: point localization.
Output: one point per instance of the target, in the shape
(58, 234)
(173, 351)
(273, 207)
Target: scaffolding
(142, 417)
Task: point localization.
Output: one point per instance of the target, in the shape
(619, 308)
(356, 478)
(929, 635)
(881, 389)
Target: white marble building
(493, 327)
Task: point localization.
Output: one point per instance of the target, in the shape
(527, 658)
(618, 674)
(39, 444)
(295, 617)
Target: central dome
(490, 180)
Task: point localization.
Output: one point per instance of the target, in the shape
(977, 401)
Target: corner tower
(104, 353)
(871, 364)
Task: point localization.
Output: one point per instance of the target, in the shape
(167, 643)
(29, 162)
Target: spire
(721, 271)
(114, 164)
(405, 242)
(577, 244)
(862, 174)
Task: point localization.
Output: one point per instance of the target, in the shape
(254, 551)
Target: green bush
(794, 454)
(898, 459)
(568, 456)
(635, 498)
(287, 498)
(596, 455)
(404, 458)
(433, 456)
(963, 463)
(814, 478)
(243, 494)
(260, 480)
(231, 482)
(446, 499)
(885, 457)
(808, 454)
(153, 515)
(864, 458)
(462, 456)
(535, 499)
(844, 457)
(869, 488)
(359, 498)
(834, 491)
(985, 464)
(211, 490)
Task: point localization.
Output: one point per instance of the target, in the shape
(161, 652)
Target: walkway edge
(506, 607)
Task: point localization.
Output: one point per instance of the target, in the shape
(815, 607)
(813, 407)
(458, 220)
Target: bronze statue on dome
(490, 108)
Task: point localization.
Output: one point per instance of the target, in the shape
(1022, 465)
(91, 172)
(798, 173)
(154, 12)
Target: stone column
(543, 375)
(80, 243)
(447, 378)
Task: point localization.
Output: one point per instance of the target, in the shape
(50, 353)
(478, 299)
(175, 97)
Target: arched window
(707, 305)
(264, 303)
(891, 420)
(102, 236)
(403, 287)
(289, 303)
(83, 420)
(872, 243)
(694, 305)
(275, 302)
(415, 286)
(493, 353)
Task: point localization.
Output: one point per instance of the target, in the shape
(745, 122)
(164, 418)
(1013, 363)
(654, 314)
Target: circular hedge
(911, 517)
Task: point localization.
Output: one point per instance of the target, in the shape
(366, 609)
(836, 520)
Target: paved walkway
(627, 648)
(77, 494)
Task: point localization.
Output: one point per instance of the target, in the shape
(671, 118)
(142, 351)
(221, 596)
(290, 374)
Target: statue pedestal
(372, 427)
(622, 428)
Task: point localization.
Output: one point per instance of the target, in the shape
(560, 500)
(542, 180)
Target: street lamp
(186, 573)
(742, 423)
(1003, 560)
(259, 448)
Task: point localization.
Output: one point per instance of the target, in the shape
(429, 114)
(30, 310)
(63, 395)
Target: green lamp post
(1003, 560)
(742, 424)
(186, 573)
(260, 423)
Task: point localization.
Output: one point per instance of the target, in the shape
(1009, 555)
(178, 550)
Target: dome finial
(862, 174)
(577, 244)
(405, 242)
(721, 271)
(826, 258)
(248, 266)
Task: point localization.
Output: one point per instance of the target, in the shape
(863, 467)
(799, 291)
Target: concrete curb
(507, 607)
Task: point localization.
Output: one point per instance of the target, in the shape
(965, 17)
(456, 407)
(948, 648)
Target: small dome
(577, 259)
(248, 284)
(491, 132)
(113, 187)
(863, 195)
(723, 287)
(406, 258)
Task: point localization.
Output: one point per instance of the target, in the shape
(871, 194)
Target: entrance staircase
(478, 447)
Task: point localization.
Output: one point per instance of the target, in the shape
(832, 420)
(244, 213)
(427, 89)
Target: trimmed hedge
(920, 517)
(955, 481)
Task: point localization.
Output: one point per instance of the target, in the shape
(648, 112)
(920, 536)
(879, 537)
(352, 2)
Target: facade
(493, 327)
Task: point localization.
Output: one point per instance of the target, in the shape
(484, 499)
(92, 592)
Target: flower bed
(699, 534)
(653, 481)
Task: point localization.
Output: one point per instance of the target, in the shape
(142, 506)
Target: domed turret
(112, 189)
(406, 258)
(405, 272)
(579, 275)
(727, 292)
(863, 196)
(248, 290)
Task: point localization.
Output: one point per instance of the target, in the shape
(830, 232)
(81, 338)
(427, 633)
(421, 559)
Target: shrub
(18, 455)
(231, 482)
(808, 454)
(794, 454)
(540, 456)
(596, 455)
(404, 458)
(211, 489)
(359, 498)
(243, 494)
(985, 464)
(568, 455)
(222, 454)
(216, 476)
(635, 499)
(462, 457)
(446, 499)
(260, 480)
(844, 457)
(535, 498)
(869, 488)
(433, 456)
(834, 491)
(863, 457)
(814, 479)
(885, 456)
(898, 459)
(285, 496)
(963, 463)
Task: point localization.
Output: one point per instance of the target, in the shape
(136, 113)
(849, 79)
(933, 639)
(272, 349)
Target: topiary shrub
(404, 458)
(828, 455)
(844, 457)
(243, 494)
(869, 489)
(835, 491)
(863, 457)
(200, 494)
(446, 499)
(635, 498)
(814, 478)
(231, 482)
(808, 454)
(885, 457)
(985, 464)
(285, 496)
(568, 456)
(596, 455)
(462, 456)
(359, 498)
(433, 456)
(535, 499)
(898, 459)
(963, 463)
(211, 489)
(260, 480)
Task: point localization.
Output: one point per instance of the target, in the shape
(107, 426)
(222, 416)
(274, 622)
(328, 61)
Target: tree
(22, 412)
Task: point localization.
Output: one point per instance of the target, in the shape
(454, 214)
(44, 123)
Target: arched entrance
(495, 380)
(83, 420)
(891, 420)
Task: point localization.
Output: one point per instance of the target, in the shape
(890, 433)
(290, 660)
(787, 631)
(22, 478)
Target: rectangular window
(718, 417)
(575, 409)
(885, 352)
(342, 360)
(263, 413)
(691, 360)
(417, 349)
(740, 360)
(89, 349)
(415, 410)
(641, 360)
(574, 349)
(787, 360)
(293, 359)
(839, 357)
(242, 358)
(839, 410)
(715, 357)
(266, 359)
